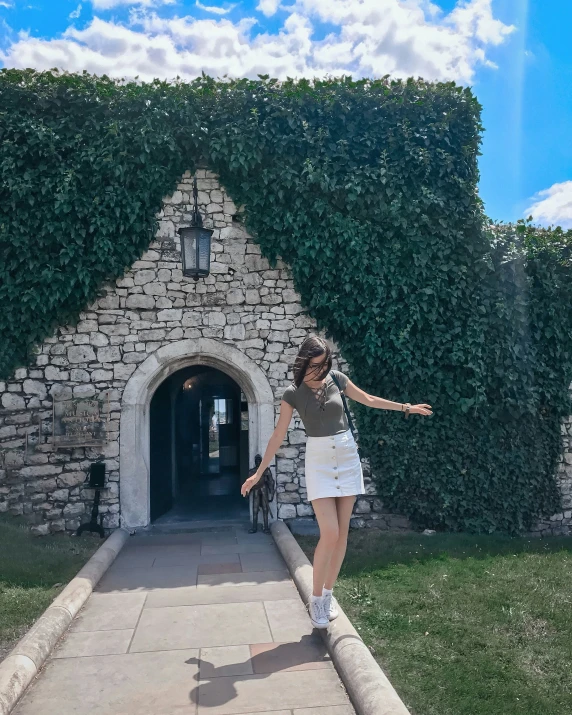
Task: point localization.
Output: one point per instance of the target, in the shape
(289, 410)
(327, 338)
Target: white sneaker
(330, 605)
(317, 613)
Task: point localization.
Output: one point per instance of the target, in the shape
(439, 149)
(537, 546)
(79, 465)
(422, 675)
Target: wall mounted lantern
(196, 244)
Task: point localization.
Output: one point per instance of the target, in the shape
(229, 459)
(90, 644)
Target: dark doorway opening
(199, 447)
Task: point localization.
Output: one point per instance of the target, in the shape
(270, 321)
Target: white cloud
(3, 3)
(268, 7)
(214, 9)
(370, 38)
(474, 18)
(108, 4)
(76, 13)
(553, 206)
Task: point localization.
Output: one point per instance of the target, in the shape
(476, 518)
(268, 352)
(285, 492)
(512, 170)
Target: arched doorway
(135, 427)
(198, 447)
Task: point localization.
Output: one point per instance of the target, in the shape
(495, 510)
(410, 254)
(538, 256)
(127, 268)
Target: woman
(333, 469)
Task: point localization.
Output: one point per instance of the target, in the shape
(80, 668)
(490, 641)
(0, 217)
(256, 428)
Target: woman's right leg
(327, 516)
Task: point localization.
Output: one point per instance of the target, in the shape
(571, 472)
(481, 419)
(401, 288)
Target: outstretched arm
(380, 404)
(274, 444)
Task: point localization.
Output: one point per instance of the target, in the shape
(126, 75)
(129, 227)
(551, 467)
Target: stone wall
(243, 302)
(561, 523)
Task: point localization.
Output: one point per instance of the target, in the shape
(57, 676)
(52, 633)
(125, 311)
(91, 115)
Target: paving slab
(253, 578)
(247, 693)
(201, 627)
(119, 580)
(243, 548)
(83, 643)
(262, 561)
(193, 596)
(214, 545)
(288, 620)
(109, 611)
(179, 551)
(132, 684)
(330, 710)
(135, 558)
(307, 654)
(182, 537)
(225, 661)
(170, 559)
(336, 710)
(243, 537)
(219, 568)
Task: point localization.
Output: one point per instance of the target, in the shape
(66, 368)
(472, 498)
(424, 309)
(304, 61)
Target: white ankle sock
(326, 591)
(316, 598)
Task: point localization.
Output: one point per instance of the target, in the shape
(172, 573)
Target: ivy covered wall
(368, 191)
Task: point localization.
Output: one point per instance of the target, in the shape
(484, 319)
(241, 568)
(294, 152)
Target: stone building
(188, 377)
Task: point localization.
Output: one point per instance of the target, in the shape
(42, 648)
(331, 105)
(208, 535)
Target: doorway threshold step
(185, 527)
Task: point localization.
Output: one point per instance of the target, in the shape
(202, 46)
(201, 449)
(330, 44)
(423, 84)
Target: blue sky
(513, 53)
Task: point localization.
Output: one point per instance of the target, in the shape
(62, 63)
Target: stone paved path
(192, 624)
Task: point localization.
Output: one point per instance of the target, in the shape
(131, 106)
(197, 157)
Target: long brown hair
(312, 347)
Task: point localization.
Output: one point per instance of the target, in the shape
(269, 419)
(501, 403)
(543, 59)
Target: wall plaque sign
(80, 422)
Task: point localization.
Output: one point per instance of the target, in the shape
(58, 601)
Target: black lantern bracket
(195, 243)
(196, 220)
(96, 482)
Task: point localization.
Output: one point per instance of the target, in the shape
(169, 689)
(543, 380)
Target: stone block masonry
(561, 524)
(244, 303)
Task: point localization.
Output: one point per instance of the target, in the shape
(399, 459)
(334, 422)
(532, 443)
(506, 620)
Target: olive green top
(322, 410)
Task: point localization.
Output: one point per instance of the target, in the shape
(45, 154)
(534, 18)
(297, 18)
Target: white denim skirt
(333, 467)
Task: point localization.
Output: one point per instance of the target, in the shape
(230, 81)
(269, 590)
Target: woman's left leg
(327, 517)
(344, 507)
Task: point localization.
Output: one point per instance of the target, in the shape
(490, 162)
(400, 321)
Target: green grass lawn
(33, 570)
(461, 624)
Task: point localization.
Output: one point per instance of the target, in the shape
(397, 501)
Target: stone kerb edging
(30, 653)
(368, 687)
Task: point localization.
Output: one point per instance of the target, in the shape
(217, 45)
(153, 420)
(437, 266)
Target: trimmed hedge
(368, 190)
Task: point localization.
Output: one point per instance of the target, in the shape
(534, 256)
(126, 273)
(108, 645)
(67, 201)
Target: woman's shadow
(217, 684)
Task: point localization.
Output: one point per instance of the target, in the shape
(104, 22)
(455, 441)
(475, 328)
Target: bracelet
(407, 406)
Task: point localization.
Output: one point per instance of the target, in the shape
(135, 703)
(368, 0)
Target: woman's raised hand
(249, 483)
(420, 410)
